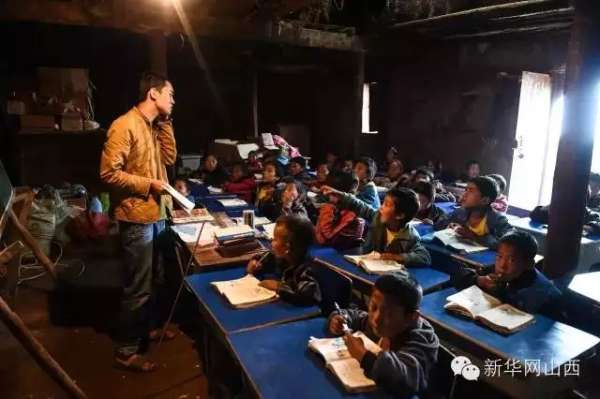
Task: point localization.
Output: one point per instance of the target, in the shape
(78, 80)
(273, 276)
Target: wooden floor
(74, 329)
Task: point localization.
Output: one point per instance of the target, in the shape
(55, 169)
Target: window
(367, 127)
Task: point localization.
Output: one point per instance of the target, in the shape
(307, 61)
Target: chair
(335, 287)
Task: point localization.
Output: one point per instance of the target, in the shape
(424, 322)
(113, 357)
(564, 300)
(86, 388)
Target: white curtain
(532, 135)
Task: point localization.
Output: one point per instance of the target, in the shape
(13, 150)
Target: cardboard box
(42, 122)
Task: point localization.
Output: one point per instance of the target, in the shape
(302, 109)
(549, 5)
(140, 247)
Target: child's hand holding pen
(256, 264)
(338, 324)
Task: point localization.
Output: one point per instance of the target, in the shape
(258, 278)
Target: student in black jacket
(408, 342)
(428, 211)
(289, 262)
(213, 173)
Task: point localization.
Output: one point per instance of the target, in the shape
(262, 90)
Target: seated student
(182, 187)
(278, 159)
(286, 201)
(331, 160)
(339, 228)
(408, 342)
(476, 220)
(514, 278)
(428, 212)
(348, 165)
(501, 203)
(389, 232)
(297, 169)
(289, 260)
(240, 183)
(213, 173)
(365, 169)
(472, 170)
(267, 186)
(322, 173)
(441, 195)
(394, 175)
(594, 191)
(254, 164)
(390, 156)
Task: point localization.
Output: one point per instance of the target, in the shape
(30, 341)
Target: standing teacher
(139, 146)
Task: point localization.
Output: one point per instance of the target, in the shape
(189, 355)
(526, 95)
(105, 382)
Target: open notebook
(372, 263)
(185, 203)
(477, 305)
(345, 367)
(449, 238)
(196, 215)
(244, 292)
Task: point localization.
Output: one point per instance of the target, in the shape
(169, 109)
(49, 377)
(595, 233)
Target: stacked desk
(550, 342)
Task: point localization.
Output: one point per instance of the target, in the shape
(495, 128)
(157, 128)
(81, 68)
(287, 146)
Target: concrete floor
(73, 326)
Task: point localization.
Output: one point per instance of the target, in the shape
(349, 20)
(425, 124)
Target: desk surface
(426, 276)
(278, 363)
(587, 284)
(549, 341)
(477, 259)
(229, 319)
(541, 229)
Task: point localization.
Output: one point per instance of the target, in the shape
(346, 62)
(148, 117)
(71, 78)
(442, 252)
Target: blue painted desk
(228, 319)
(278, 363)
(450, 261)
(589, 250)
(213, 205)
(587, 285)
(551, 342)
(422, 228)
(426, 276)
(447, 207)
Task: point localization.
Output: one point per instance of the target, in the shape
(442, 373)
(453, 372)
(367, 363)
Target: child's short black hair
(405, 201)
(426, 172)
(346, 182)
(487, 187)
(401, 289)
(301, 235)
(500, 181)
(470, 163)
(371, 166)
(300, 161)
(524, 244)
(242, 166)
(300, 187)
(425, 188)
(594, 178)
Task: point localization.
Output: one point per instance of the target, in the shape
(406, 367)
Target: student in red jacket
(240, 183)
(339, 228)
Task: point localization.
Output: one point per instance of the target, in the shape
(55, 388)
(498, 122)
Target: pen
(345, 327)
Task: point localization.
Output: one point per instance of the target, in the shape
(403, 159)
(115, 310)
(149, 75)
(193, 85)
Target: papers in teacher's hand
(232, 202)
(244, 292)
(269, 230)
(449, 238)
(189, 233)
(346, 368)
(185, 203)
(477, 305)
(372, 263)
(214, 190)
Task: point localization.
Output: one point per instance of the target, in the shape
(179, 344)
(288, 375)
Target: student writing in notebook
(365, 169)
(289, 262)
(408, 342)
(514, 279)
(389, 232)
(338, 227)
(476, 220)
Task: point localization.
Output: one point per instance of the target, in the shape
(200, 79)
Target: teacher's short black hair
(401, 289)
